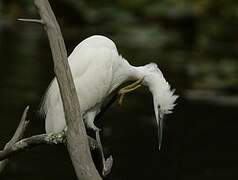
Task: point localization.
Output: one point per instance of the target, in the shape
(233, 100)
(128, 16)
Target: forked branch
(17, 144)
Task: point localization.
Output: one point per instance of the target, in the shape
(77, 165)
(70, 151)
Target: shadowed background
(194, 44)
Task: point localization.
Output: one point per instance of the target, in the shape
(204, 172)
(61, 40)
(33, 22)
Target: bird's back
(91, 63)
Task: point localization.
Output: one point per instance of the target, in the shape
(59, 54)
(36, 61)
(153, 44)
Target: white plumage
(97, 70)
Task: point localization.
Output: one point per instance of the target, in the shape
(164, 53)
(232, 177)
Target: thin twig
(19, 133)
(31, 20)
(17, 136)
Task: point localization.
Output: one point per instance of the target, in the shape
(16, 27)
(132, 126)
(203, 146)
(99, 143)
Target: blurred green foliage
(196, 41)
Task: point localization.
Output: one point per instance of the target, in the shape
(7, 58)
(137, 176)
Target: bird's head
(163, 97)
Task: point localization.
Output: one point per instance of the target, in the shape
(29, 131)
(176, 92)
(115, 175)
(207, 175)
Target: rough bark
(77, 142)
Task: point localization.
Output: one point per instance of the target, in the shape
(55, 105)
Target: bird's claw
(106, 163)
(128, 89)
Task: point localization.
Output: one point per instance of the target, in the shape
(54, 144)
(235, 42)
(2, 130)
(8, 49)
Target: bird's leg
(128, 89)
(106, 163)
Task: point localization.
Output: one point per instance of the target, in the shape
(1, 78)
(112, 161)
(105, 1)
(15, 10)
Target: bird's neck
(124, 72)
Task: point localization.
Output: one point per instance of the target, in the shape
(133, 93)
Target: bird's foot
(107, 166)
(128, 89)
(106, 163)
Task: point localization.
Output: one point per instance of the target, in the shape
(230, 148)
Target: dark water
(200, 139)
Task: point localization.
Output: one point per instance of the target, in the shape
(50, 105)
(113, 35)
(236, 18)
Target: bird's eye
(158, 106)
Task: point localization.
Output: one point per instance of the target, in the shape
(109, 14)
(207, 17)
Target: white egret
(98, 70)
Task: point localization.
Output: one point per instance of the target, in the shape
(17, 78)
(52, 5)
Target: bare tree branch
(17, 136)
(31, 142)
(77, 142)
(42, 139)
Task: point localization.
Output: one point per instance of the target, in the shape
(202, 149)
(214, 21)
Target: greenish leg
(128, 89)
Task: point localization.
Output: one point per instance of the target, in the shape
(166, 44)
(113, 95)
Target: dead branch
(16, 137)
(77, 142)
(42, 139)
(31, 142)
(17, 144)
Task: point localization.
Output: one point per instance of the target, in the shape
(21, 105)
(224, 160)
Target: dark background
(195, 45)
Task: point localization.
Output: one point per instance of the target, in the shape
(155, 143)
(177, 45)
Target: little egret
(98, 70)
